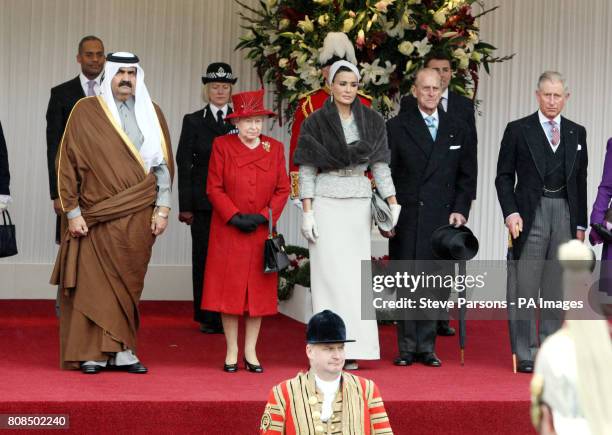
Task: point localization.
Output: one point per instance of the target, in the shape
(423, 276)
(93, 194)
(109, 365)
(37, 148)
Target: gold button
(313, 400)
(316, 415)
(319, 428)
(333, 427)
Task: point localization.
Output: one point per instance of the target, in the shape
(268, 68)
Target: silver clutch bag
(381, 212)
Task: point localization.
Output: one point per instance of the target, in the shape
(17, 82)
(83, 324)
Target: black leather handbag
(8, 242)
(275, 257)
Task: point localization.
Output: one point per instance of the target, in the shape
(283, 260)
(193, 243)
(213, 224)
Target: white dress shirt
(329, 390)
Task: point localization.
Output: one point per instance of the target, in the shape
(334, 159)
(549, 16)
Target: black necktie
(220, 118)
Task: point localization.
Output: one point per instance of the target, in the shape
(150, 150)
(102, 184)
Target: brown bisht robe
(102, 274)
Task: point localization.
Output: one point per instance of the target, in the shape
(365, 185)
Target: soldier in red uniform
(336, 46)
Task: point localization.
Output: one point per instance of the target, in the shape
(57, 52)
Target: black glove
(257, 219)
(242, 223)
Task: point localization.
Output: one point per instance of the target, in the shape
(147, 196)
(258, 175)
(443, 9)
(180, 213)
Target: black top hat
(326, 327)
(450, 243)
(219, 72)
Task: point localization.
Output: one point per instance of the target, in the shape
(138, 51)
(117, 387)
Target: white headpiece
(336, 46)
(336, 66)
(151, 151)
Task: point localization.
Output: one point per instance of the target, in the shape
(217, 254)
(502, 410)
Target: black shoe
(430, 359)
(404, 360)
(252, 367)
(230, 368)
(525, 367)
(445, 330)
(136, 368)
(91, 369)
(208, 328)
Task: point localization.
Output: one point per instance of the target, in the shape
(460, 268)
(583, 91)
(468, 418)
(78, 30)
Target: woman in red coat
(247, 177)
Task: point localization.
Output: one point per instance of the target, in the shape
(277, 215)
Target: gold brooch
(266, 146)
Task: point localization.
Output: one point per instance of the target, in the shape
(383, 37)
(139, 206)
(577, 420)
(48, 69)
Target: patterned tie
(555, 135)
(90, 88)
(431, 125)
(220, 118)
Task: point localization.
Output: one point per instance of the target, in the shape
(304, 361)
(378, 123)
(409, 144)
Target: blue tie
(431, 125)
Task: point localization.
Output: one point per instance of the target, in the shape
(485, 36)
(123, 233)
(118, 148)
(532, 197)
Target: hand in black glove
(242, 223)
(256, 218)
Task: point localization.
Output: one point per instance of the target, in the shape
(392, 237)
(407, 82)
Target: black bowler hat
(326, 327)
(219, 72)
(450, 243)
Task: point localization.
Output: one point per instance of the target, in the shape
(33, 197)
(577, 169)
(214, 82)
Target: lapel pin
(266, 146)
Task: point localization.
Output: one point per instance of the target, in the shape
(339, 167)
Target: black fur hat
(326, 327)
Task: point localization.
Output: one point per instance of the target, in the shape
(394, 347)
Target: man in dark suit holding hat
(542, 189)
(433, 165)
(311, 400)
(199, 130)
(460, 107)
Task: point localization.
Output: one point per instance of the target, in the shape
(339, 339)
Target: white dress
(341, 205)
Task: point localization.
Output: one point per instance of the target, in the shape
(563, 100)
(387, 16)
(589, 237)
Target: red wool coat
(242, 180)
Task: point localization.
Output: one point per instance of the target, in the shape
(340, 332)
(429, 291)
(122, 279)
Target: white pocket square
(579, 147)
(454, 147)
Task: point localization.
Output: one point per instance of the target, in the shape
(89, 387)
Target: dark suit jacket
(521, 166)
(429, 187)
(63, 98)
(5, 176)
(460, 107)
(192, 156)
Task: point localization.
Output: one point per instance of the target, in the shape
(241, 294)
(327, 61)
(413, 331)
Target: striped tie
(555, 135)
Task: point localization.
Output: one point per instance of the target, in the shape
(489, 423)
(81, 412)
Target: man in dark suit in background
(199, 130)
(460, 107)
(434, 169)
(541, 187)
(63, 98)
(5, 176)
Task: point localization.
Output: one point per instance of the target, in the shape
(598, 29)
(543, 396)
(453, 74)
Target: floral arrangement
(391, 39)
(298, 272)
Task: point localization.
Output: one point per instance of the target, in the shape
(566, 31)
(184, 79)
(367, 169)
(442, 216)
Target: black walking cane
(462, 313)
(511, 298)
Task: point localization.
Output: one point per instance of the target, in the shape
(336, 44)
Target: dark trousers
(417, 334)
(200, 231)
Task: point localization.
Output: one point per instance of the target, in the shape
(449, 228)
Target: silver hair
(424, 70)
(552, 76)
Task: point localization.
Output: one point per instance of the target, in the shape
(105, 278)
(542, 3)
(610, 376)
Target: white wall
(175, 40)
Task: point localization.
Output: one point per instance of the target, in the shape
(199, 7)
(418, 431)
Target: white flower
(289, 83)
(408, 66)
(382, 5)
(387, 102)
(291, 257)
(376, 74)
(271, 49)
(282, 282)
(310, 75)
(360, 38)
(422, 46)
(440, 17)
(473, 37)
(459, 53)
(323, 20)
(271, 3)
(476, 56)
(348, 25)
(283, 62)
(302, 262)
(283, 24)
(406, 48)
(306, 25)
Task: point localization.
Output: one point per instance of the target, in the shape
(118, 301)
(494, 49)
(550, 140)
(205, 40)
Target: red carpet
(187, 392)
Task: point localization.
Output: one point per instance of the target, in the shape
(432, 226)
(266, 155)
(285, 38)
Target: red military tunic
(247, 181)
(308, 104)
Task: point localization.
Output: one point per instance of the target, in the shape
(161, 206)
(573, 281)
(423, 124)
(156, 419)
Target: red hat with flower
(247, 104)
